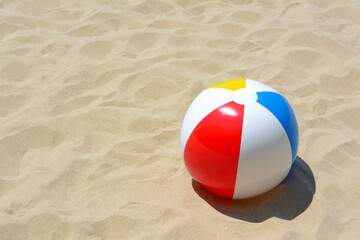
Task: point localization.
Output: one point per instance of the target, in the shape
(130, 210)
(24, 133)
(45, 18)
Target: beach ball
(239, 138)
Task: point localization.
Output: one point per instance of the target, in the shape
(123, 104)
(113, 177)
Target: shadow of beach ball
(286, 201)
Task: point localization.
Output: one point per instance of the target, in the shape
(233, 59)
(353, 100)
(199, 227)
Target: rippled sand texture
(92, 99)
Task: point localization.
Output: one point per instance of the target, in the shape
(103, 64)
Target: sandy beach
(93, 95)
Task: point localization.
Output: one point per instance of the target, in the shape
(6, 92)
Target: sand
(93, 94)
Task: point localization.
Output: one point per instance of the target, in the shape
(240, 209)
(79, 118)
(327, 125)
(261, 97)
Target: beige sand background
(92, 99)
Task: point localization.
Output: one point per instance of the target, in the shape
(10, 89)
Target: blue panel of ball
(281, 109)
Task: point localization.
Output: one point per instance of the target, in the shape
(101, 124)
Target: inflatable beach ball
(239, 138)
